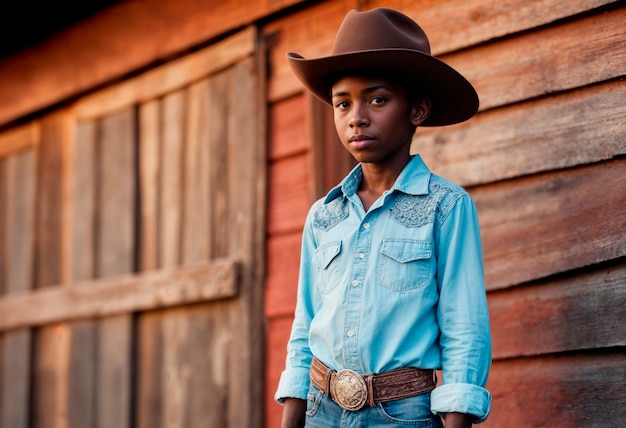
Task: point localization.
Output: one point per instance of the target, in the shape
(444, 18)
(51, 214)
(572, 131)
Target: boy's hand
(458, 420)
(294, 413)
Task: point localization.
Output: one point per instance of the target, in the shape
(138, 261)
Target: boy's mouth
(360, 141)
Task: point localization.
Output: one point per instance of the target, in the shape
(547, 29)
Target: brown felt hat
(386, 42)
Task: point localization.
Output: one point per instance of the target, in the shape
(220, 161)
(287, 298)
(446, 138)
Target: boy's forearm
(458, 420)
(294, 413)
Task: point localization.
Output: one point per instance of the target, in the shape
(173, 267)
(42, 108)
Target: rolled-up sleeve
(462, 315)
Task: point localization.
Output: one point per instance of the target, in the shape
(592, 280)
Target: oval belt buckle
(349, 390)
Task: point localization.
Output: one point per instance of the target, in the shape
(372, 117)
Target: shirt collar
(413, 180)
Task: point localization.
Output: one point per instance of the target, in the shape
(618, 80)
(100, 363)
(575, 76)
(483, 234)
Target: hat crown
(379, 29)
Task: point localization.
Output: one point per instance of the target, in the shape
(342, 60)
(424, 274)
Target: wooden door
(131, 252)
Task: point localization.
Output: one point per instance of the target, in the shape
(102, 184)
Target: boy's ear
(420, 111)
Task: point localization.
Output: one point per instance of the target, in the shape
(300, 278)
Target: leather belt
(353, 391)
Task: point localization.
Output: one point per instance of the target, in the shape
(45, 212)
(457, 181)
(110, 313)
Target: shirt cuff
(294, 383)
(462, 398)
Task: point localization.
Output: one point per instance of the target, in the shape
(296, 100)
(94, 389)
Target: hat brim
(452, 97)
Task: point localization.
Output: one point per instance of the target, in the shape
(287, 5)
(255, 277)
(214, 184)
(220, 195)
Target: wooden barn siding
(108, 46)
(538, 158)
(72, 188)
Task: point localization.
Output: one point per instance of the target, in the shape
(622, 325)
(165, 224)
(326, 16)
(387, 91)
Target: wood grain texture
(124, 38)
(120, 294)
(289, 196)
(569, 390)
(574, 128)
(575, 312)
(18, 199)
(196, 186)
(51, 343)
(167, 78)
(533, 227)
(19, 138)
(456, 24)
(115, 255)
(149, 166)
(287, 122)
(281, 284)
(545, 61)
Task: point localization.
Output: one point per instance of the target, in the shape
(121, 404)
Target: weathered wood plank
(585, 390)
(51, 344)
(82, 391)
(149, 385)
(561, 315)
(533, 227)
(281, 283)
(546, 61)
(287, 122)
(115, 255)
(149, 164)
(20, 138)
(575, 128)
(171, 177)
(18, 202)
(120, 294)
(456, 24)
(167, 78)
(246, 172)
(196, 184)
(289, 201)
(219, 112)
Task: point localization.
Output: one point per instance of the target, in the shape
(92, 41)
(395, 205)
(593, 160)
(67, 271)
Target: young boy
(391, 280)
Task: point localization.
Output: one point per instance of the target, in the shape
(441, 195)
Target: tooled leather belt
(353, 391)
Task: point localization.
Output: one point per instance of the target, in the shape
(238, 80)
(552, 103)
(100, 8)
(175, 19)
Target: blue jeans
(322, 412)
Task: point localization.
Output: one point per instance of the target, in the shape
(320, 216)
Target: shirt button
(366, 226)
(361, 255)
(355, 283)
(350, 333)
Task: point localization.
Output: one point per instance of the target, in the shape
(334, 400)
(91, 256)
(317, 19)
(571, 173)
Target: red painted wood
(287, 128)
(283, 262)
(288, 196)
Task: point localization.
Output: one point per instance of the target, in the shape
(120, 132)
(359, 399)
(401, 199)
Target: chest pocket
(404, 264)
(328, 263)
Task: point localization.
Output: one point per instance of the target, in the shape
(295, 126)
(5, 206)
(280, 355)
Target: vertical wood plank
(17, 198)
(149, 161)
(198, 149)
(51, 343)
(171, 178)
(149, 366)
(115, 255)
(149, 341)
(82, 379)
(245, 162)
(217, 117)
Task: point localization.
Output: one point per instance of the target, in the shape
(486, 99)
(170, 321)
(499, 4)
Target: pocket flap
(407, 250)
(326, 253)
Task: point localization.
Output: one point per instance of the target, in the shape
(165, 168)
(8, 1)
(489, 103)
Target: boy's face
(374, 118)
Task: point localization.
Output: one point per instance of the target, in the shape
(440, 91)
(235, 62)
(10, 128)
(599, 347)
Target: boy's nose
(359, 118)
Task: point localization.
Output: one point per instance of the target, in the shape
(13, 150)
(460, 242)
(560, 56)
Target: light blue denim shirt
(400, 285)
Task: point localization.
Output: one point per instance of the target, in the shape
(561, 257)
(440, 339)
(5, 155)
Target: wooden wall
(544, 160)
(131, 229)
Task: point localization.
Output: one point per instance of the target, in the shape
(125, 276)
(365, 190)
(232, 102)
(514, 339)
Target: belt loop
(369, 381)
(327, 381)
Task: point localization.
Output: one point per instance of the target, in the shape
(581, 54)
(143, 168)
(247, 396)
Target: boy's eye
(377, 100)
(341, 104)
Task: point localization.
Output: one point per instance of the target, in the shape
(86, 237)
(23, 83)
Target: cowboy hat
(386, 42)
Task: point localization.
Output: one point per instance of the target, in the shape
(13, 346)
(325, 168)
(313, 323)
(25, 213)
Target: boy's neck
(377, 180)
